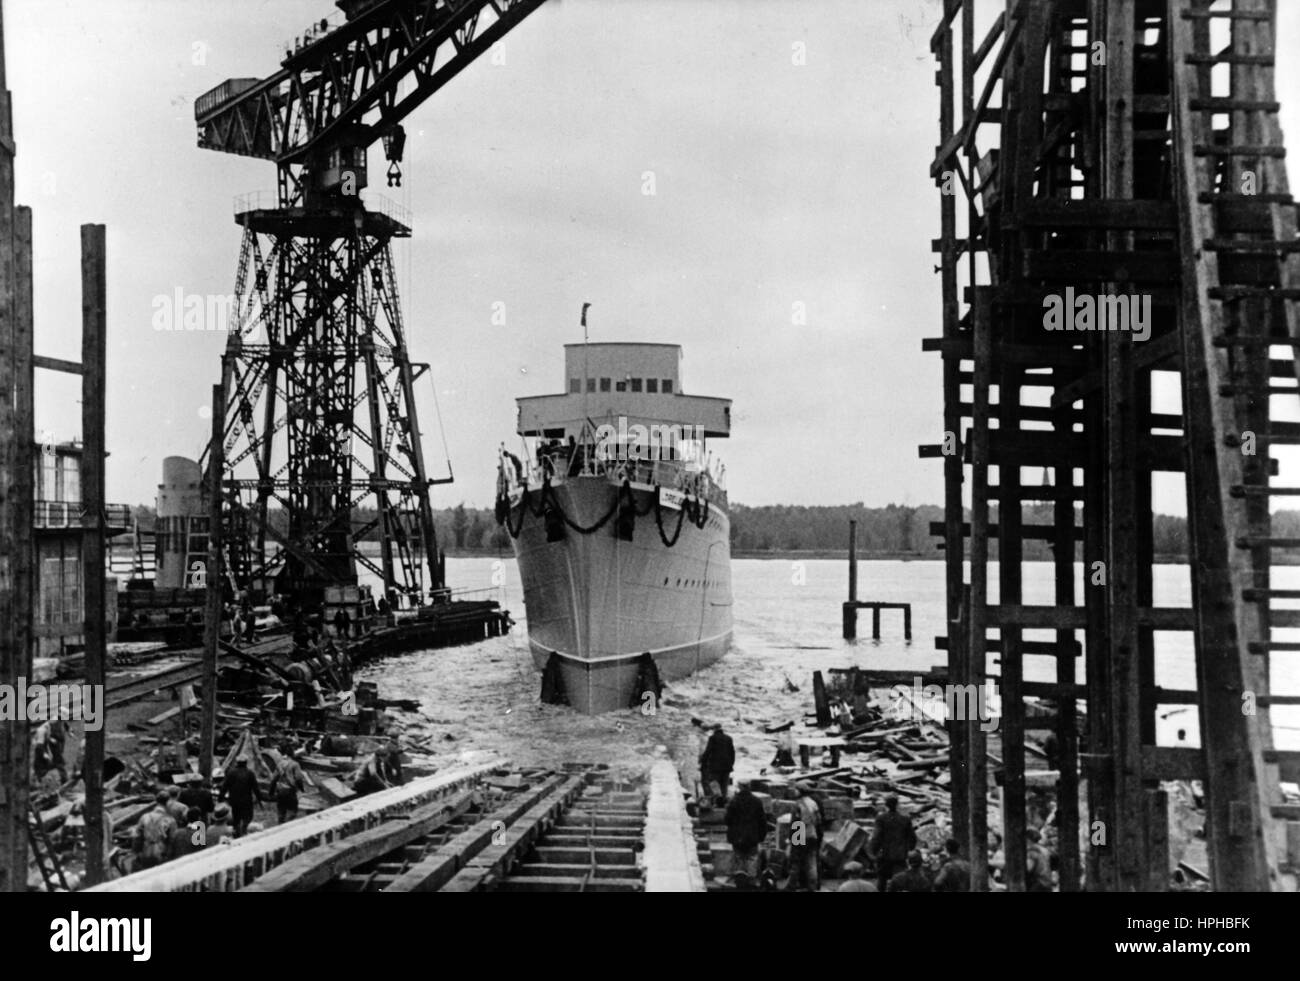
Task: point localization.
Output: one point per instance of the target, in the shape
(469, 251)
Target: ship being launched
(618, 512)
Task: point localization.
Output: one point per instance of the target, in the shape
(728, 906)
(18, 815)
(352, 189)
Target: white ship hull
(597, 602)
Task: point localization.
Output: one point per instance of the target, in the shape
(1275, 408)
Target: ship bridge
(613, 381)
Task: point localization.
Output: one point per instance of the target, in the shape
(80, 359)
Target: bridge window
(652, 385)
(668, 386)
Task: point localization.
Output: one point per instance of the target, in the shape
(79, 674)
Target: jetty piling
(849, 610)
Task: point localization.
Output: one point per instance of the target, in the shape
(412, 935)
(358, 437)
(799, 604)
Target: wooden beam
(1236, 798)
(93, 348)
(1079, 267)
(14, 664)
(1120, 213)
(56, 364)
(215, 577)
(1173, 763)
(952, 463)
(24, 473)
(976, 670)
(1067, 737)
(1010, 559)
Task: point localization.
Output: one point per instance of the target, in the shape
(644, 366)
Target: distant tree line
(904, 529)
(893, 529)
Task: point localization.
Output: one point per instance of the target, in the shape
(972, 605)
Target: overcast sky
(775, 184)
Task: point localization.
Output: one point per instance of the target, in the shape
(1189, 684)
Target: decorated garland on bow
(690, 508)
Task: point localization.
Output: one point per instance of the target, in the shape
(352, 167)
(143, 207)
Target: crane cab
(344, 171)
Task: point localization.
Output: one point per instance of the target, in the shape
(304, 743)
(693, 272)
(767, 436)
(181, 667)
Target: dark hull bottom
(608, 683)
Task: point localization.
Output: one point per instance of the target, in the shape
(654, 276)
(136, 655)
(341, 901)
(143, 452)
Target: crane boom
(349, 80)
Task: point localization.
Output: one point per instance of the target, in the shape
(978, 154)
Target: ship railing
(490, 592)
(379, 205)
(677, 475)
(262, 199)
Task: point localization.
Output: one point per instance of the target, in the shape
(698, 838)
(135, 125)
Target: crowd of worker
(204, 813)
(319, 660)
(188, 819)
(892, 851)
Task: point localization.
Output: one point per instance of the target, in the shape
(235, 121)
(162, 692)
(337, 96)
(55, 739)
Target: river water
(483, 698)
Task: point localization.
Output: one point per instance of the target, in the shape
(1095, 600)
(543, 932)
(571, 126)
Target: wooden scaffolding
(1128, 151)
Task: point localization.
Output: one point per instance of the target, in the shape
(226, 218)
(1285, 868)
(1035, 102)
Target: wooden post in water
(212, 612)
(93, 347)
(853, 560)
(820, 702)
(850, 609)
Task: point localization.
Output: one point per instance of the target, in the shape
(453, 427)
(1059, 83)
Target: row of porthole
(695, 582)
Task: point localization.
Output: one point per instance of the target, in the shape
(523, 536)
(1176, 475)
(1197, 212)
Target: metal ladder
(46, 859)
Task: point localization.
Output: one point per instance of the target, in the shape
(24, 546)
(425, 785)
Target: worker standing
(250, 623)
(746, 829)
(286, 785)
(343, 665)
(153, 834)
(175, 807)
(219, 828)
(199, 794)
(241, 790)
(342, 623)
(183, 838)
(717, 761)
(894, 837)
(805, 838)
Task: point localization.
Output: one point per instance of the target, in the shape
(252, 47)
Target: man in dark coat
(197, 794)
(240, 788)
(894, 837)
(342, 623)
(746, 829)
(717, 760)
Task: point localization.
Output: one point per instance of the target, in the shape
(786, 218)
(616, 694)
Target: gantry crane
(318, 381)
